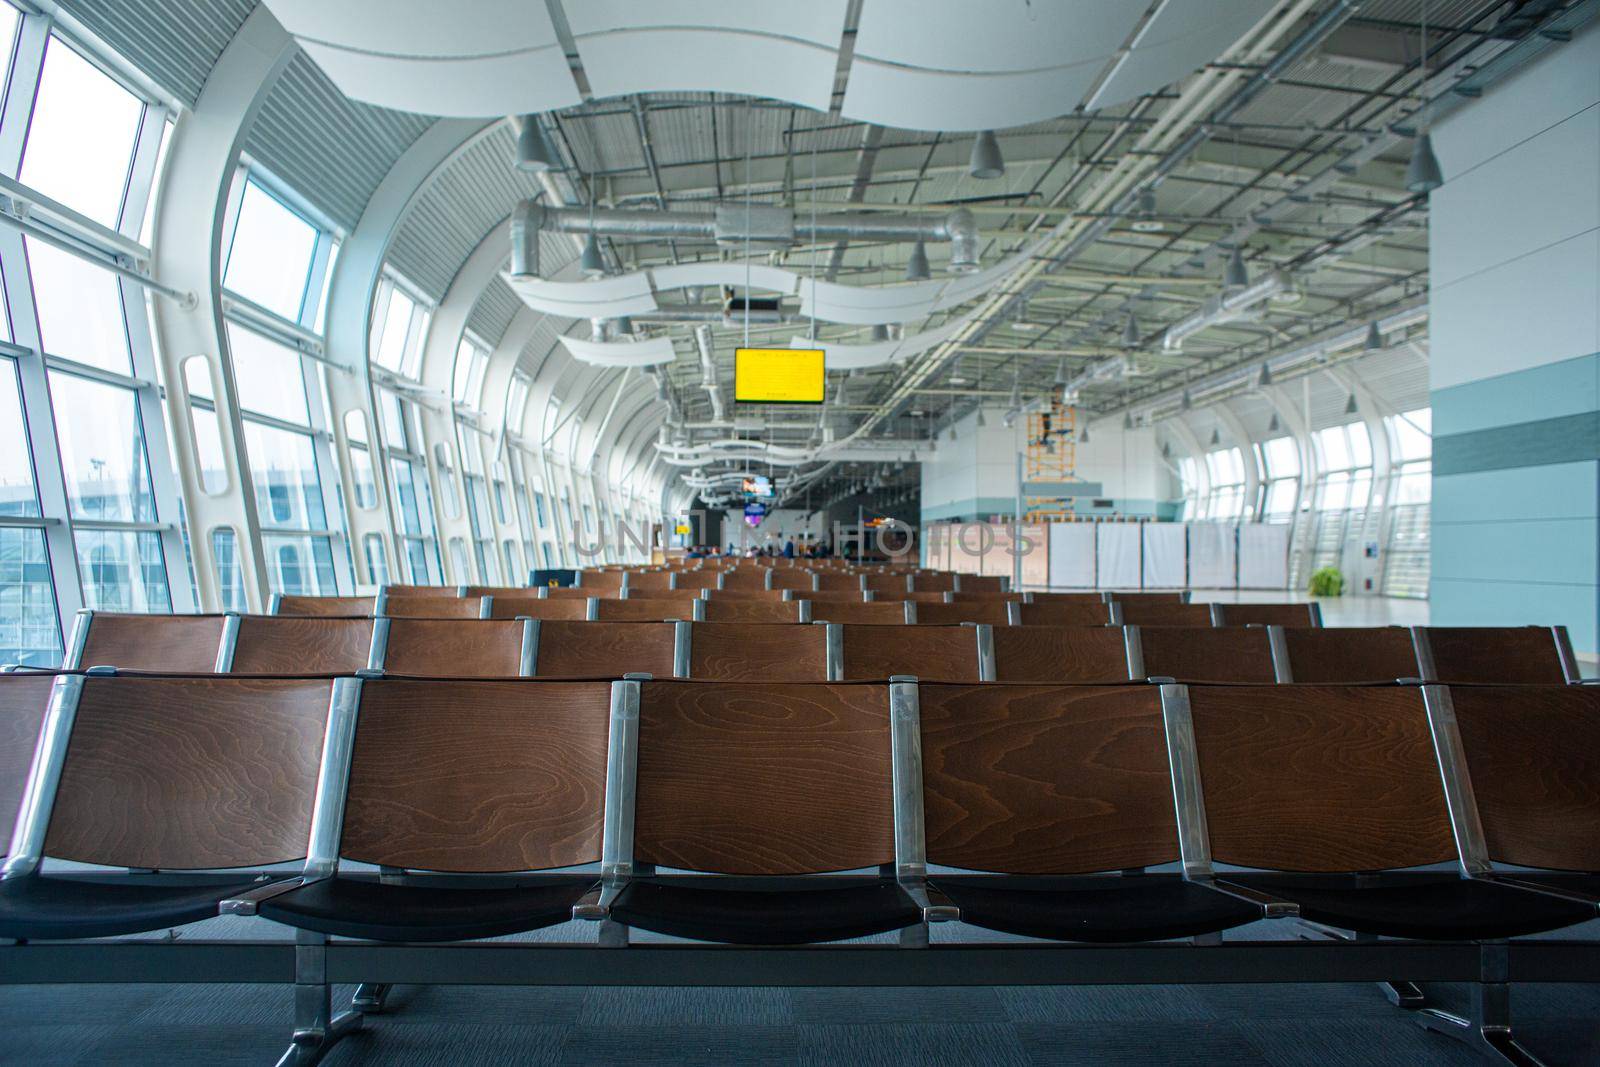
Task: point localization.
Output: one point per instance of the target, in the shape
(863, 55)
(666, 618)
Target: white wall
(779, 526)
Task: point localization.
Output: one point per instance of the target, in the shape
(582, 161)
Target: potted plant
(1327, 581)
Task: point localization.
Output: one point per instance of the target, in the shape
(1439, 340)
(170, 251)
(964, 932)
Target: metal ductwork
(764, 227)
(708, 370)
(1224, 307)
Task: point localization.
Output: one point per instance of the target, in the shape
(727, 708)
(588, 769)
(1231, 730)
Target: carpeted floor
(1170, 1026)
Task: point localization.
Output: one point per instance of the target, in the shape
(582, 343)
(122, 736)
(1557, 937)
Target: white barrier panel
(1164, 552)
(1213, 556)
(1264, 556)
(1117, 555)
(1072, 555)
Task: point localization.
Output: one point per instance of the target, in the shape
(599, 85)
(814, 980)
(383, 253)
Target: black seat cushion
(1143, 907)
(433, 909)
(52, 906)
(765, 911)
(1426, 905)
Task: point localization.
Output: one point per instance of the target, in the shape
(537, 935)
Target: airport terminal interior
(1021, 532)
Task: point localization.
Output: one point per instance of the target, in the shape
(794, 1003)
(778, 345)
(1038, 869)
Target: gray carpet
(1173, 1026)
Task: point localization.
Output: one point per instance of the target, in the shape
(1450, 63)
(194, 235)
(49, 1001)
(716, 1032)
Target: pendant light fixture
(1423, 174)
(535, 153)
(1374, 340)
(986, 163)
(1236, 275)
(1350, 406)
(917, 265)
(1130, 332)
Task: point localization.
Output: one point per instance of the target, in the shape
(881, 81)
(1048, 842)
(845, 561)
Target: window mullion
(50, 480)
(33, 34)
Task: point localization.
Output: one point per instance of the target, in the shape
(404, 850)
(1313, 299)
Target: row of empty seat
(1321, 800)
(729, 651)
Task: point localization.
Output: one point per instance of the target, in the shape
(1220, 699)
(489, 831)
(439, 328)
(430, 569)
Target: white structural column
(1190, 441)
(1247, 455)
(438, 424)
(349, 316)
(496, 444)
(190, 214)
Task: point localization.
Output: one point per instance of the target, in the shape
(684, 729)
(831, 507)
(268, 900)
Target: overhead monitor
(758, 485)
(754, 512)
(778, 375)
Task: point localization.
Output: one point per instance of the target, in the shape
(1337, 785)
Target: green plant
(1327, 581)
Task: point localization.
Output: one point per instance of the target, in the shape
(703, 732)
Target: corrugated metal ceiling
(174, 42)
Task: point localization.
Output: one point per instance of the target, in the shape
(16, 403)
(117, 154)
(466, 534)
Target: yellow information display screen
(778, 375)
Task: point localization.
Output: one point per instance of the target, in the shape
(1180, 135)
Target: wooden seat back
(836, 582)
(993, 612)
(537, 607)
(642, 609)
(184, 773)
(1533, 757)
(1348, 654)
(1045, 779)
(1513, 655)
(650, 580)
(1285, 615)
(751, 611)
(748, 578)
(1164, 613)
(600, 579)
(1238, 655)
(1081, 654)
(432, 607)
(454, 648)
(604, 649)
(477, 776)
(856, 611)
(1064, 613)
(173, 644)
(938, 653)
(787, 578)
(24, 698)
(739, 652)
(1320, 778)
(755, 779)
(285, 645)
(339, 606)
(933, 581)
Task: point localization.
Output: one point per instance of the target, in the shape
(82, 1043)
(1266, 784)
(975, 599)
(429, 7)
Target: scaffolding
(1051, 456)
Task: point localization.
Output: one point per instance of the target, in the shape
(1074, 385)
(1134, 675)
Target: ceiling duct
(1224, 307)
(765, 227)
(708, 370)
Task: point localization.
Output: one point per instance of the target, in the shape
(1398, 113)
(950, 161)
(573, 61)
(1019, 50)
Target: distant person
(788, 549)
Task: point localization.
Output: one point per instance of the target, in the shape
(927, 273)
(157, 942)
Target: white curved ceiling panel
(964, 287)
(418, 28)
(855, 306)
(917, 99)
(761, 276)
(463, 87)
(857, 357)
(819, 21)
(1184, 36)
(995, 35)
(603, 298)
(697, 60)
(649, 353)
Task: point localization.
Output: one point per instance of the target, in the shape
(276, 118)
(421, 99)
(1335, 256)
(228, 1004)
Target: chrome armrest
(245, 903)
(1271, 906)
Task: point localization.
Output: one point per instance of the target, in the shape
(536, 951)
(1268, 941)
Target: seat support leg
(316, 1028)
(1487, 1027)
(914, 936)
(371, 998)
(1408, 996)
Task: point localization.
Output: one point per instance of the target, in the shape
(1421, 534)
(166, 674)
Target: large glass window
(1406, 562)
(102, 450)
(471, 361)
(1280, 462)
(29, 631)
(81, 138)
(1344, 487)
(398, 333)
(1225, 466)
(269, 261)
(80, 309)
